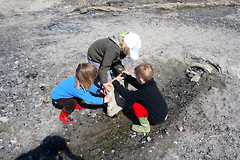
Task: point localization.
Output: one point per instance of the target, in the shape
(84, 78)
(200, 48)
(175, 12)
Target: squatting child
(75, 92)
(147, 101)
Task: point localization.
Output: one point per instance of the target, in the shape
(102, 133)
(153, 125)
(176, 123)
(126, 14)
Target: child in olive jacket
(106, 54)
(147, 101)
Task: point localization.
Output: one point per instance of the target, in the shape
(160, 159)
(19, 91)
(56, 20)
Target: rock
(93, 115)
(4, 119)
(180, 128)
(195, 78)
(149, 139)
(13, 141)
(204, 66)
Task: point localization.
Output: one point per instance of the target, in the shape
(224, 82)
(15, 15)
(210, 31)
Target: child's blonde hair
(125, 48)
(86, 73)
(144, 71)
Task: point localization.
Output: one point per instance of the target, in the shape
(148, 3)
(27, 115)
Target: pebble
(4, 119)
(180, 128)
(13, 141)
(16, 62)
(133, 135)
(93, 115)
(149, 139)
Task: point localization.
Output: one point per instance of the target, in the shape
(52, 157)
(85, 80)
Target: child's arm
(130, 79)
(94, 89)
(120, 89)
(89, 98)
(107, 99)
(130, 96)
(118, 78)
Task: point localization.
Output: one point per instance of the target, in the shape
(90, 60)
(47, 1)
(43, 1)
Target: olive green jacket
(108, 53)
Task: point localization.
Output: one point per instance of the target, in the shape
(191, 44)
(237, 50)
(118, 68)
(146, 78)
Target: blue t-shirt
(67, 89)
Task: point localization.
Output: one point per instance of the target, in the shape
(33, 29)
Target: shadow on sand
(51, 148)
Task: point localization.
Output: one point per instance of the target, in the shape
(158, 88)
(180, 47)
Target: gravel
(41, 44)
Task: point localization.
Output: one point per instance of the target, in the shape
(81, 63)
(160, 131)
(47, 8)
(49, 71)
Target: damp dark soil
(108, 138)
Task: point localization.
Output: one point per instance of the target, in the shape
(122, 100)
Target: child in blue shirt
(73, 91)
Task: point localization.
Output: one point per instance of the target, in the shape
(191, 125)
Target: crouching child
(78, 92)
(147, 101)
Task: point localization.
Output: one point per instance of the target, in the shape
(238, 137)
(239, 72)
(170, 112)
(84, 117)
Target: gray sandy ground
(42, 42)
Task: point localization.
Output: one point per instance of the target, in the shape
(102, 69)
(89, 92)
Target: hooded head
(134, 43)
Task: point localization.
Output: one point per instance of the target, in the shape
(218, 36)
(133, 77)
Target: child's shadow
(49, 150)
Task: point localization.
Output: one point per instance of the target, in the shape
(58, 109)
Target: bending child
(107, 54)
(147, 101)
(73, 92)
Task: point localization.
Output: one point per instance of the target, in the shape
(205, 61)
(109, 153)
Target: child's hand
(106, 87)
(127, 72)
(102, 92)
(119, 77)
(107, 99)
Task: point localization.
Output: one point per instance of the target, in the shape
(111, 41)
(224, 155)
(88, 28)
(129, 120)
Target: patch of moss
(113, 136)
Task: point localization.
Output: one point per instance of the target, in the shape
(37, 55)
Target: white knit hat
(134, 43)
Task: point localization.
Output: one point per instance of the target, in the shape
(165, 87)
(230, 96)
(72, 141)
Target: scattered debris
(204, 66)
(197, 69)
(158, 6)
(100, 8)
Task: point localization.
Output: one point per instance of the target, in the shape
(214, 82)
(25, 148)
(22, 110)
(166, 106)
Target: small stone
(133, 135)
(13, 141)
(149, 139)
(93, 115)
(4, 119)
(16, 62)
(15, 97)
(180, 128)
(196, 78)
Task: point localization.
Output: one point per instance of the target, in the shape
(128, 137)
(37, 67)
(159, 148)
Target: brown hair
(86, 73)
(144, 71)
(125, 48)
